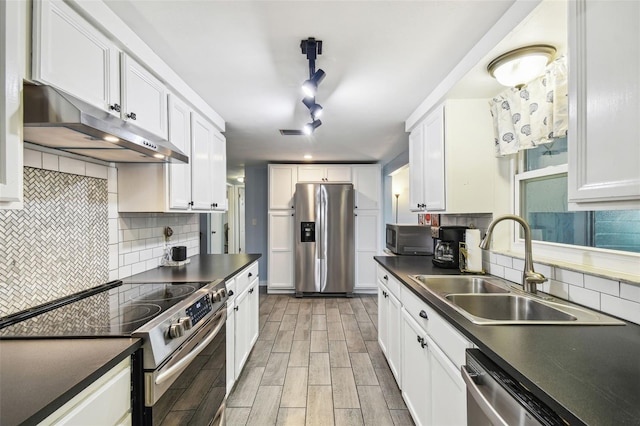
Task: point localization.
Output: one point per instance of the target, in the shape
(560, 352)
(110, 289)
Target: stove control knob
(176, 330)
(216, 296)
(223, 292)
(186, 323)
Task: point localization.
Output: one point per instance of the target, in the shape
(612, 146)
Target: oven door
(190, 387)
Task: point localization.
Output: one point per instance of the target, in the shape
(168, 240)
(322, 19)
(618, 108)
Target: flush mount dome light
(519, 66)
(314, 108)
(309, 128)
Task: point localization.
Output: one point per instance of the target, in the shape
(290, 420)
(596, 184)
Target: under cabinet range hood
(58, 120)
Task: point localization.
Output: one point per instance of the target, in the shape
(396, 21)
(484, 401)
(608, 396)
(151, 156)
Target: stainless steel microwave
(409, 239)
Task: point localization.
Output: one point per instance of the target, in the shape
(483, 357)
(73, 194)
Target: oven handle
(485, 405)
(180, 365)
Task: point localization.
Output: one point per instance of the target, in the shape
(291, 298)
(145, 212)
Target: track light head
(310, 87)
(314, 108)
(309, 128)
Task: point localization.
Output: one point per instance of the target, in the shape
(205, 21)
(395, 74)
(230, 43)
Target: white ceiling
(382, 59)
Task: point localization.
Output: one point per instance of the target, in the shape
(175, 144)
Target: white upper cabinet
(324, 173)
(604, 105)
(144, 97)
(451, 159)
(208, 166)
(70, 54)
(282, 186)
(367, 183)
(180, 136)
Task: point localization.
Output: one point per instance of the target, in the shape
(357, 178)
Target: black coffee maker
(447, 246)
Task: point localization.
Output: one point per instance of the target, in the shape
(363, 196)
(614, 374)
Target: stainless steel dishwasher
(495, 398)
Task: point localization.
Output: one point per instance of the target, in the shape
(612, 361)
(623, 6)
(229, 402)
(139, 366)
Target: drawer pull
(235, 309)
(250, 274)
(423, 314)
(251, 291)
(230, 293)
(385, 277)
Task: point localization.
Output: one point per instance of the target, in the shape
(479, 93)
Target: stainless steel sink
(507, 307)
(456, 284)
(494, 301)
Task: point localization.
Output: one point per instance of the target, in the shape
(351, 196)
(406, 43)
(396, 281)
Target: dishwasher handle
(485, 405)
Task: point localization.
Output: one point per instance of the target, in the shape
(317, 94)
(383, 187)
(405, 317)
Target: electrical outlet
(254, 221)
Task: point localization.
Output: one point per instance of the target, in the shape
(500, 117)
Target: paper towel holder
(462, 261)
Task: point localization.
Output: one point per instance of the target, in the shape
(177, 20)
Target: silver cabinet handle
(482, 401)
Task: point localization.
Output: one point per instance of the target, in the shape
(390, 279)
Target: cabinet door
(416, 371)
(180, 136)
(434, 180)
(242, 320)
(448, 390)
(70, 54)
(282, 186)
(311, 173)
(366, 181)
(338, 174)
(231, 346)
(202, 140)
(144, 97)
(281, 256)
(604, 105)
(367, 238)
(254, 308)
(416, 170)
(394, 333)
(383, 317)
(218, 172)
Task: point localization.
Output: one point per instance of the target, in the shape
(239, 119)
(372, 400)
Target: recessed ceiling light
(111, 138)
(240, 179)
(308, 156)
(160, 156)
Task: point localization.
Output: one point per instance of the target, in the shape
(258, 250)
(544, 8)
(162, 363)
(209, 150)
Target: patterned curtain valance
(533, 115)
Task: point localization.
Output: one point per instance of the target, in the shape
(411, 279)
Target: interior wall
(400, 185)
(256, 182)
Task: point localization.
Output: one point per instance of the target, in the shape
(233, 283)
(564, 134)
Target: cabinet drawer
(392, 284)
(246, 277)
(231, 290)
(450, 340)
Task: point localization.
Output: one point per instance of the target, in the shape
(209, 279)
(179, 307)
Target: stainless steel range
(184, 341)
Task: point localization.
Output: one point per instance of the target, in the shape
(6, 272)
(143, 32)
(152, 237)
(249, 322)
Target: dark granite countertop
(38, 376)
(206, 267)
(587, 374)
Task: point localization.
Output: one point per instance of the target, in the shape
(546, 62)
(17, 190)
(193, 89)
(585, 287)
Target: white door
(448, 390)
(281, 250)
(416, 371)
(216, 239)
(242, 320)
(434, 180)
(367, 240)
(180, 136)
(219, 172)
(311, 173)
(253, 311)
(383, 317)
(338, 174)
(144, 97)
(241, 220)
(231, 343)
(366, 181)
(282, 185)
(394, 333)
(416, 170)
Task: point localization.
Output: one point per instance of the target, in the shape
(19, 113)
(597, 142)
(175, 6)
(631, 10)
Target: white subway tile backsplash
(124, 247)
(495, 269)
(72, 166)
(139, 267)
(630, 292)
(32, 158)
(556, 288)
(569, 277)
(114, 259)
(518, 264)
(146, 254)
(621, 308)
(50, 162)
(584, 296)
(112, 180)
(113, 206)
(602, 285)
(504, 261)
(124, 271)
(545, 270)
(113, 231)
(514, 275)
(131, 258)
(138, 222)
(130, 235)
(114, 275)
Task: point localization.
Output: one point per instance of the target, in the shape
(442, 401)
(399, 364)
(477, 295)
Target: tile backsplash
(70, 235)
(614, 297)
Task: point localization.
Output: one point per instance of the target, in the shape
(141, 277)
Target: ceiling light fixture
(240, 179)
(308, 156)
(314, 108)
(309, 128)
(519, 66)
(310, 87)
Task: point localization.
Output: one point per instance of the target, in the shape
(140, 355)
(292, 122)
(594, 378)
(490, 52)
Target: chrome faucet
(530, 278)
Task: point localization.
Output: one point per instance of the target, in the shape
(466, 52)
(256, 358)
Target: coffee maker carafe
(447, 247)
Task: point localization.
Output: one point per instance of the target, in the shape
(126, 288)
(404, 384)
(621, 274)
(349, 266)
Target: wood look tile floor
(317, 362)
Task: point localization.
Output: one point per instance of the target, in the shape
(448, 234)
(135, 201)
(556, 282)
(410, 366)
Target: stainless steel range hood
(58, 120)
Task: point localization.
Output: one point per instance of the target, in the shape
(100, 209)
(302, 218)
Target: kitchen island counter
(587, 374)
(38, 376)
(204, 267)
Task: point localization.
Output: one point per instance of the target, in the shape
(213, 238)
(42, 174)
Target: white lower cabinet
(242, 320)
(424, 352)
(281, 254)
(107, 401)
(416, 371)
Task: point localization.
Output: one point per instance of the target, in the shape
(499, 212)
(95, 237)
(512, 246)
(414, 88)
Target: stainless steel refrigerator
(324, 238)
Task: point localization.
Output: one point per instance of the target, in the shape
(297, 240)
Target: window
(541, 194)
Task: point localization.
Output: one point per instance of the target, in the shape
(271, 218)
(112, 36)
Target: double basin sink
(493, 301)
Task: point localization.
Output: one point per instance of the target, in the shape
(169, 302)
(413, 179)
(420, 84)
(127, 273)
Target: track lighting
(309, 128)
(310, 87)
(314, 108)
